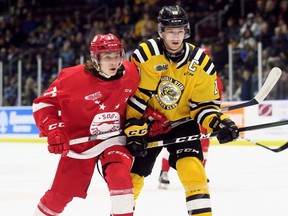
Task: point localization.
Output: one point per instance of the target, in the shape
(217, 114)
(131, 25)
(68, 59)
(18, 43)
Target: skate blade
(163, 186)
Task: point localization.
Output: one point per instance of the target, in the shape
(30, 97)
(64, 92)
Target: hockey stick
(96, 150)
(208, 135)
(269, 83)
(279, 149)
(94, 137)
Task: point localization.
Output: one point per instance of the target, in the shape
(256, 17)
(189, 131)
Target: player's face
(173, 38)
(110, 62)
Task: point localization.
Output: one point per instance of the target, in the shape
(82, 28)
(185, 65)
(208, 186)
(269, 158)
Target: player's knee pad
(53, 203)
(138, 182)
(117, 176)
(116, 165)
(188, 149)
(118, 154)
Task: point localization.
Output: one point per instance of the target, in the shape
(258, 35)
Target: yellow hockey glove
(136, 132)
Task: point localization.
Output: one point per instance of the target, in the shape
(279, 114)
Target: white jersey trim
(36, 107)
(137, 103)
(155, 46)
(185, 56)
(99, 148)
(137, 53)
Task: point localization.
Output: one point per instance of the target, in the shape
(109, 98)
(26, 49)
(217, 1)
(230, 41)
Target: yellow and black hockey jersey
(178, 89)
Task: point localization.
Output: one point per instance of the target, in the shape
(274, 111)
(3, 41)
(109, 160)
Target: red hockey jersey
(87, 104)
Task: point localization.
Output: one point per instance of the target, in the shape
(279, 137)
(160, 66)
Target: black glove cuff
(215, 122)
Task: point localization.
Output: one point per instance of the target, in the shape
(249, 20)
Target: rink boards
(17, 124)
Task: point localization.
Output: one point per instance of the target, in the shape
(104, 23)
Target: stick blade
(282, 148)
(270, 82)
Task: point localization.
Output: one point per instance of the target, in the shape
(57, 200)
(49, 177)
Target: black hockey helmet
(173, 17)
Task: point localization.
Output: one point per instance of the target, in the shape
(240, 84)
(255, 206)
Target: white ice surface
(244, 181)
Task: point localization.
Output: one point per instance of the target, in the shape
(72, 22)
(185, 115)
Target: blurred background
(38, 38)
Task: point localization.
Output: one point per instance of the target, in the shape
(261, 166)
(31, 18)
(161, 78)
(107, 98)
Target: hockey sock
(119, 181)
(54, 201)
(193, 178)
(165, 165)
(138, 182)
(205, 146)
(42, 210)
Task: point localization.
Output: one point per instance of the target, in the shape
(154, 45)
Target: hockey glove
(228, 131)
(58, 141)
(158, 124)
(136, 132)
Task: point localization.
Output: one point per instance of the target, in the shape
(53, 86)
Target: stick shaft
(208, 135)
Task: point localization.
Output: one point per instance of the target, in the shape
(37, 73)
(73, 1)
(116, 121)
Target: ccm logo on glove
(54, 126)
(57, 138)
(137, 132)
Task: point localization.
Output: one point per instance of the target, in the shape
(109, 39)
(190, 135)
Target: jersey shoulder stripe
(146, 50)
(154, 47)
(200, 56)
(140, 55)
(209, 67)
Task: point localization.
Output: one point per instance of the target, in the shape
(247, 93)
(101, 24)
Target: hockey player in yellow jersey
(177, 81)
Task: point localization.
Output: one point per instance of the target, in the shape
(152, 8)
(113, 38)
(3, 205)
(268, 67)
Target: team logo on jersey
(94, 97)
(105, 122)
(160, 68)
(169, 92)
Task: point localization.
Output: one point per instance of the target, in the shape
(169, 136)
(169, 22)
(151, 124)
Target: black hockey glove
(136, 132)
(228, 131)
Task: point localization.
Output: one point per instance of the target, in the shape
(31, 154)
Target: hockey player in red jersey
(84, 100)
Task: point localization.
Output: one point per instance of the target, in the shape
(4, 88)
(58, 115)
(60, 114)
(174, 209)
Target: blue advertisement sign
(17, 120)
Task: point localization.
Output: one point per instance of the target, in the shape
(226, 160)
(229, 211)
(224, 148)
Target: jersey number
(215, 87)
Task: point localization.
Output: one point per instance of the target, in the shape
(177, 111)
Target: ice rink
(244, 181)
